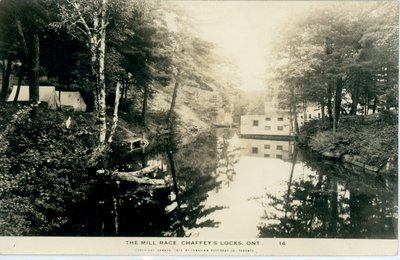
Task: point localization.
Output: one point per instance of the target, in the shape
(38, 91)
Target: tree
(379, 50)
(192, 62)
(8, 47)
(192, 59)
(297, 69)
(27, 18)
(147, 50)
(90, 19)
(60, 51)
(332, 51)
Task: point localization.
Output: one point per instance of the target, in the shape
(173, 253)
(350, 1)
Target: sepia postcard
(199, 128)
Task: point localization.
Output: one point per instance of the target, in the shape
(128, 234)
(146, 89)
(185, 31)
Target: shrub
(389, 117)
(43, 168)
(311, 128)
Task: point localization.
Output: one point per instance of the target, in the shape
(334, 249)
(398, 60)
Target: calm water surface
(222, 186)
(277, 190)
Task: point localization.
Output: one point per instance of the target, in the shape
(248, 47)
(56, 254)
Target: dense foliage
(373, 137)
(43, 168)
(341, 60)
(104, 49)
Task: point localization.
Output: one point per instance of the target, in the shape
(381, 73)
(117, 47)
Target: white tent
(46, 94)
(73, 99)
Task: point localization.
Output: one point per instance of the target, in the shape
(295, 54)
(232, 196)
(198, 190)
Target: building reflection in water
(267, 148)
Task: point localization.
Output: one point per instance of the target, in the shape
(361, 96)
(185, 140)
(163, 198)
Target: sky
(243, 31)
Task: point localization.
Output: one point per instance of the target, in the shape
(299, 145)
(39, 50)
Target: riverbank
(186, 127)
(369, 142)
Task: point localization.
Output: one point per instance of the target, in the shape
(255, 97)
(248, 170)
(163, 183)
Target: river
(223, 186)
(280, 190)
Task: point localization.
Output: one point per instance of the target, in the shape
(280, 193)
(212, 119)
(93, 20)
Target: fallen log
(143, 171)
(126, 176)
(137, 177)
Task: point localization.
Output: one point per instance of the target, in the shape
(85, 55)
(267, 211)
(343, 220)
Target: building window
(267, 127)
(267, 146)
(266, 155)
(280, 118)
(255, 122)
(279, 156)
(279, 147)
(319, 115)
(254, 150)
(267, 119)
(309, 115)
(301, 117)
(280, 128)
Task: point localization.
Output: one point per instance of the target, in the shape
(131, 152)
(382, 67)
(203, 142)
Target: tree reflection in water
(228, 152)
(199, 167)
(334, 202)
(191, 171)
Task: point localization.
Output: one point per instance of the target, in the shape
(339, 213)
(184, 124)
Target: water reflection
(221, 186)
(191, 171)
(267, 148)
(331, 201)
(193, 180)
(228, 152)
(294, 193)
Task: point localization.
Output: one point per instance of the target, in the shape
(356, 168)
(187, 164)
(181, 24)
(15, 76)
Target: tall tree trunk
(18, 87)
(98, 69)
(115, 115)
(102, 82)
(33, 76)
(3, 68)
(6, 80)
(337, 105)
(375, 104)
(329, 104)
(322, 104)
(355, 96)
(366, 106)
(123, 92)
(338, 99)
(22, 38)
(291, 117)
(94, 61)
(126, 93)
(144, 105)
(293, 105)
(334, 123)
(24, 67)
(296, 122)
(174, 95)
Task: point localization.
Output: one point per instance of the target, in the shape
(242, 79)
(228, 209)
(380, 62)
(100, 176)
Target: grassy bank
(366, 141)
